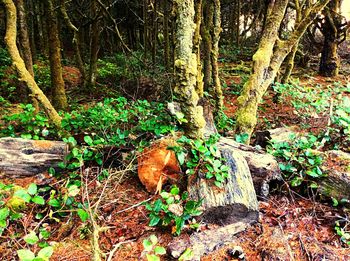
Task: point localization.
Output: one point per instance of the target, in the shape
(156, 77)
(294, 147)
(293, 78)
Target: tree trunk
(24, 36)
(215, 35)
(57, 83)
(207, 42)
(196, 46)
(329, 64)
(94, 48)
(186, 70)
(24, 75)
(22, 158)
(166, 35)
(76, 42)
(267, 61)
(25, 42)
(289, 64)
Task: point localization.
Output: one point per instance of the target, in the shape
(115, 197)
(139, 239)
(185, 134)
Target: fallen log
(24, 158)
(205, 242)
(336, 183)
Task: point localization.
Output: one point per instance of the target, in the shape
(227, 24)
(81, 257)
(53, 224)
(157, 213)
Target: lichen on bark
(24, 75)
(186, 70)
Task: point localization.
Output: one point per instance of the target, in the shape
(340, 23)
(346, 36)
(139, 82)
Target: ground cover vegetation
(111, 79)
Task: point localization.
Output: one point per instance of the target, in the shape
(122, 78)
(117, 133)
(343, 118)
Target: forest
(174, 130)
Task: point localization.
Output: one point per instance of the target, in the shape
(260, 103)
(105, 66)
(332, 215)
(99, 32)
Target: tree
(186, 70)
(267, 61)
(10, 39)
(333, 28)
(58, 92)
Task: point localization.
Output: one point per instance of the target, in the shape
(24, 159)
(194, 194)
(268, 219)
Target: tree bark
(267, 61)
(24, 75)
(94, 48)
(76, 42)
(215, 35)
(329, 64)
(196, 46)
(207, 42)
(57, 83)
(186, 70)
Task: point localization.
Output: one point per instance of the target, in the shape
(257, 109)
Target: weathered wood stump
(23, 158)
(233, 207)
(263, 167)
(235, 200)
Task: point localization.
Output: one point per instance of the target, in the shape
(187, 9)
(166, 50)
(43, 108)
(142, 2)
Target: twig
(115, 248)
(134, 206)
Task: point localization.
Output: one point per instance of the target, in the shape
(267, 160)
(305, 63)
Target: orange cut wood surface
(157, 165)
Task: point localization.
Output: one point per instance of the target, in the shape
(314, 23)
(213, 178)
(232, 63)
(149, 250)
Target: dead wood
(23, 158)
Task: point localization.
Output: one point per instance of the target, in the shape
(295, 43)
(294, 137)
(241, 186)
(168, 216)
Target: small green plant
(343, 230)
(202, 156)
(173, 209)
(152, 249)
(27, 124)
(43, 255)
(299, 162)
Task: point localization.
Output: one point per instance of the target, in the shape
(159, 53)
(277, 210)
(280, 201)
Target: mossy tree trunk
(207, 42)
(196, 46)
(267, 61)
(186, 69)
(24, 42)
(329, 64)
(215, 35)
(24, 75)
(58, 93)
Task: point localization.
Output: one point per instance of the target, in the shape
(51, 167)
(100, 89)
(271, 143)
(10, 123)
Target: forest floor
(290, 227)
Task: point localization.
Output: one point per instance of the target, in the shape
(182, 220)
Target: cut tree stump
(236, 200)
(24, 158)
(263, 167)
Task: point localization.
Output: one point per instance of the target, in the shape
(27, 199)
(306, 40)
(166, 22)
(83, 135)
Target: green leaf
(3, 224)
(181, 157)
(152, 257)
(31, 238)
(73, 191)
(159, 250)
(32, 189)
(88, 140)
(25, 255)
(54, 203)
(154, 220)
(153, 239)
(175, 191)
(83, 214)
(38, 200)
(147, 245)
(4, 213)
(187, 255)
(46, 253)
(23, 194)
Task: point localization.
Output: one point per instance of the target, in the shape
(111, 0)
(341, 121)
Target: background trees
(82, 32)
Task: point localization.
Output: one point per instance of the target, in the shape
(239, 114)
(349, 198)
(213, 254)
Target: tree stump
(235, 200)
(24, 158)
(263, 167)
